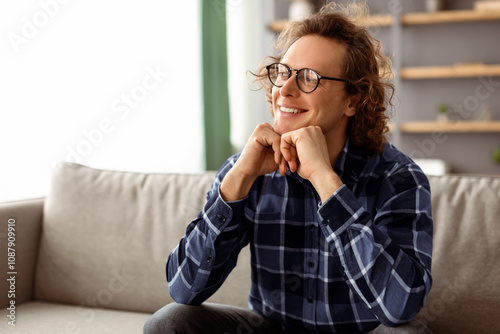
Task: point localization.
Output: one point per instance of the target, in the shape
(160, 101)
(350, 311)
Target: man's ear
(352, 105)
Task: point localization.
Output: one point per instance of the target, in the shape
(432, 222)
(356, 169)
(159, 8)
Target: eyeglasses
(307, 79)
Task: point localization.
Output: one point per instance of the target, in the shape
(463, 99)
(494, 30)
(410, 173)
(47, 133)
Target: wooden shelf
(377, 20)
(450, 16)
(445, 16)
(278, 26)
(461, 126)
(456, 71)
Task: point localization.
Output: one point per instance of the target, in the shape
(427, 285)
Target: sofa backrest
(465, 296)
(106, 236)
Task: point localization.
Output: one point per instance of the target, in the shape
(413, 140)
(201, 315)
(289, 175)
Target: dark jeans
(222, 319)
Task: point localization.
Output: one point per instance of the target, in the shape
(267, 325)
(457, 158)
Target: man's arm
(207, 253)
(385, 257)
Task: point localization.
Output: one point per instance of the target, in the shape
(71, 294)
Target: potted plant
(495, 156)
(442, 113)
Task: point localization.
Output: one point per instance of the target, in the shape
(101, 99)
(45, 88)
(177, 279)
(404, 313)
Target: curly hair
(365, 67)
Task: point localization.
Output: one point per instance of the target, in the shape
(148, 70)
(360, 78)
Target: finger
(289, 150)
(283, 167)
(266, 137)
(277, 152)
(285, 146)
(293, 162)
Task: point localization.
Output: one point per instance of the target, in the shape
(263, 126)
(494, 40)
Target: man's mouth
(290, 110)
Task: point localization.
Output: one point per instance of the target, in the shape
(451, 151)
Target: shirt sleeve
(385, 255)
(207, 253)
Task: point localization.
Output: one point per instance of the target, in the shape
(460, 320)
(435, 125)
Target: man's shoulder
(391, 155)
(398, 165)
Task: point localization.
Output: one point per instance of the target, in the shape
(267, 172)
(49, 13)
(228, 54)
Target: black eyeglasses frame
(297, 76)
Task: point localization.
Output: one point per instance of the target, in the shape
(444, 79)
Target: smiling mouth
(291, 110)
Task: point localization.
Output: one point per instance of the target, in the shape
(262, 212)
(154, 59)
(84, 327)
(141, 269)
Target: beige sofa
(90, 257)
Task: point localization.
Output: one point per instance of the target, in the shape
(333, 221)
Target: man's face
(328, 106)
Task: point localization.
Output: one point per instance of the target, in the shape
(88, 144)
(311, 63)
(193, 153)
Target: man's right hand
(261, 155)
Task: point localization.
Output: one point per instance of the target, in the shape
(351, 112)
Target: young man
(338, 221)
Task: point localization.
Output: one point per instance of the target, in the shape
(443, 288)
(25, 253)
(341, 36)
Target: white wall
(111, 84)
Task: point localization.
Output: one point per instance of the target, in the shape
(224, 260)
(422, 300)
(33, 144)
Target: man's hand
(306, 152)
(261, 155)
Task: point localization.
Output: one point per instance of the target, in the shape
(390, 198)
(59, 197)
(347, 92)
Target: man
(338, 221)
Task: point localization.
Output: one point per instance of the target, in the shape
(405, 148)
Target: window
(109, 84)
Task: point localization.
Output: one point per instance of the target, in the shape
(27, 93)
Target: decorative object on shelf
(433, 166)
(495, 156)
(434, 5)
(484, 113)
(442, 113)
(299, 9)
(487, 5)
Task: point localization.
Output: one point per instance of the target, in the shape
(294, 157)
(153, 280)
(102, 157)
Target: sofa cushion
(49, 318)
(465, 296)
(106, 236)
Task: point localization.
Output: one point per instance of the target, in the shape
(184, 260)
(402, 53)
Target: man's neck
(335, 146)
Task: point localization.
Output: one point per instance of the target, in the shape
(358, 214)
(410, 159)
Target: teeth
(289, 110)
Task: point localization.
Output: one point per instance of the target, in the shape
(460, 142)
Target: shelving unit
(408, 133)
(460, 126)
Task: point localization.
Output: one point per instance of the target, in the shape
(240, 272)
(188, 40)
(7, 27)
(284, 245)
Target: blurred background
(163, 86)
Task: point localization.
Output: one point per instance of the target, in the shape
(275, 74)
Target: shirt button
(209, 259)
(311, 264)
(312, 228)
(326, 222)
(309, 300)
(221, 218)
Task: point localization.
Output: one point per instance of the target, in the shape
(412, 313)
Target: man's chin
(280, 129)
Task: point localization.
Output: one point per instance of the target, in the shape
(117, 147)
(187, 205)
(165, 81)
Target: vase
(433, 5)
(299, 9)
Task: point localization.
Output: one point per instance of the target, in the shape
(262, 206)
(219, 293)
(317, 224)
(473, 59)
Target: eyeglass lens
(306, 78)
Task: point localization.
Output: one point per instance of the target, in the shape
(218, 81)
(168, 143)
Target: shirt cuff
(340, 211)
(222, 215)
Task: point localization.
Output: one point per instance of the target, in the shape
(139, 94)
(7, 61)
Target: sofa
(90, 256)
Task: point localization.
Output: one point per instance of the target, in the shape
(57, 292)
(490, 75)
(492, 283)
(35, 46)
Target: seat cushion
(465, 296)
(49, 318)
(106, 236)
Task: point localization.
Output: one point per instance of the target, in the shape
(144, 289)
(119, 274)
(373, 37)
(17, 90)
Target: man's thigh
(208, 318)
(413, 327)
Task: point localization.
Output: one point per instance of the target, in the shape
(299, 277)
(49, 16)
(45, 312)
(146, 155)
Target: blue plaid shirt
(360, 259)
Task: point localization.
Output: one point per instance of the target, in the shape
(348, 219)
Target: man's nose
(290, 87)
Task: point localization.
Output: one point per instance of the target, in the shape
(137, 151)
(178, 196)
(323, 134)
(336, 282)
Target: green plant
(442, 108)
(495, 156)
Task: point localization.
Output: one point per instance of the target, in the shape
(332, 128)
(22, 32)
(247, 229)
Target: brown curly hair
(365, 67)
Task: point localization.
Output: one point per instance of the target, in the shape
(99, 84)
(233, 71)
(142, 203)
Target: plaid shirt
(360, 259)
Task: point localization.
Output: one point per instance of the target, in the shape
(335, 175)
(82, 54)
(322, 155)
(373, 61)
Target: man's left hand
(306, 152)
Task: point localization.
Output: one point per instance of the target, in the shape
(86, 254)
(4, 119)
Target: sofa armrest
(26, 218)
